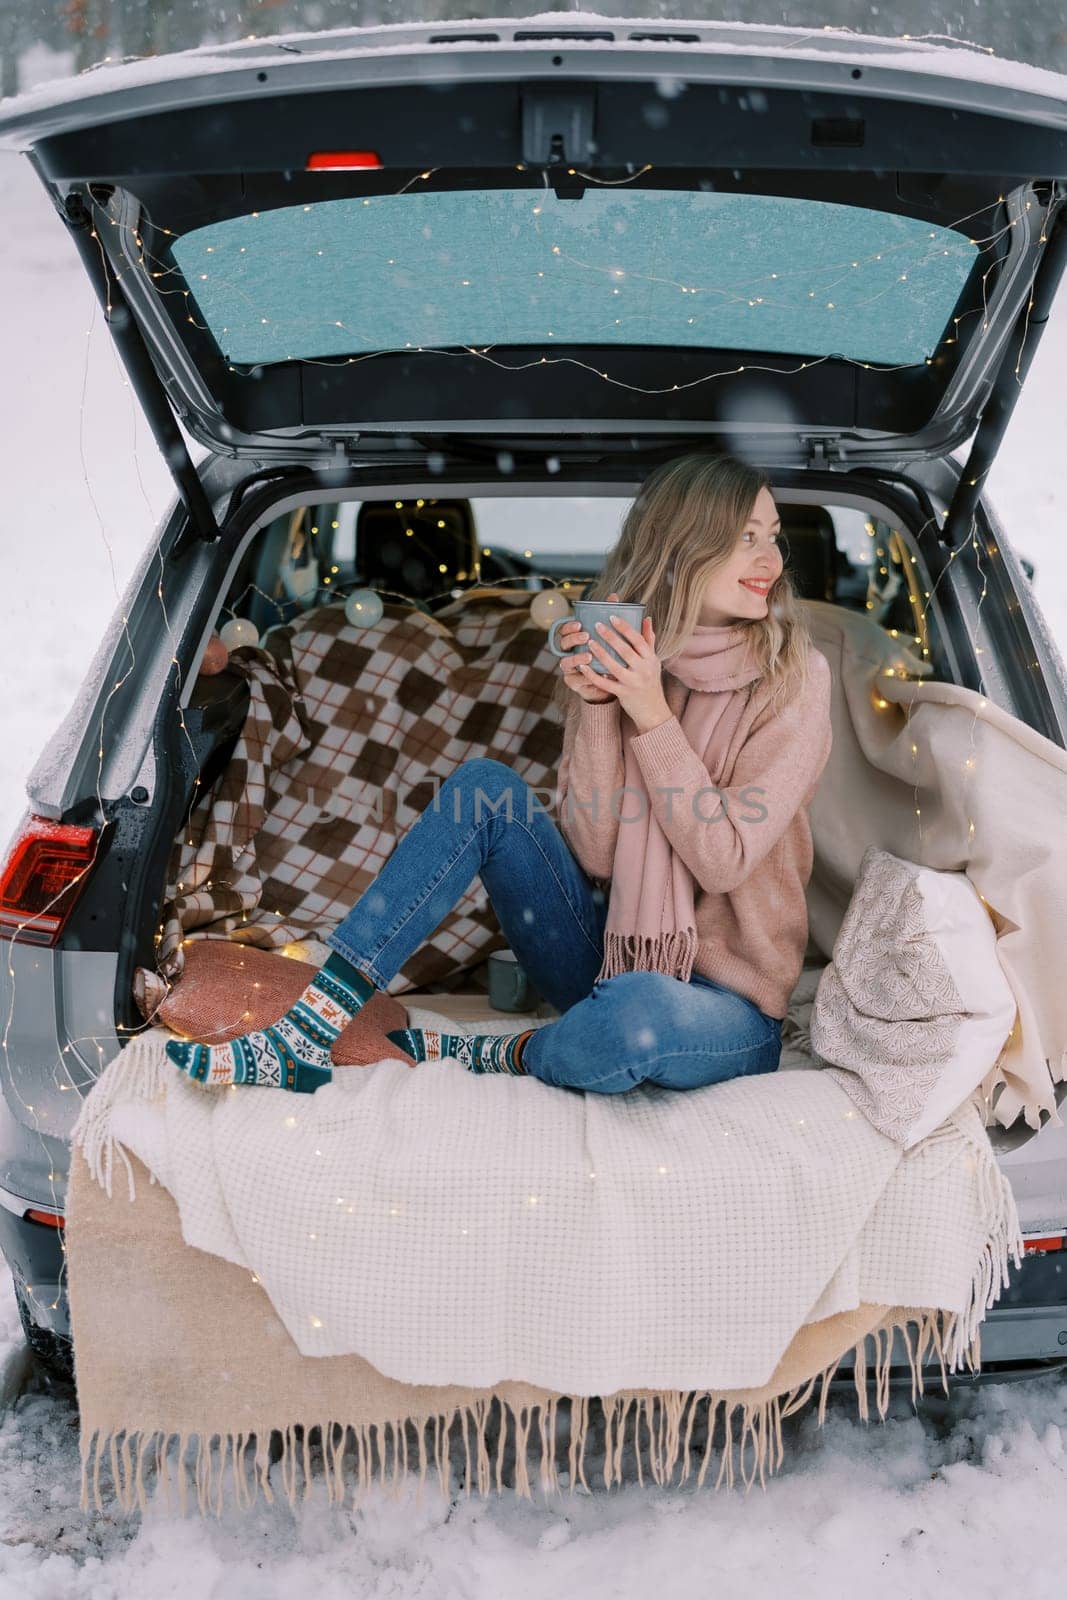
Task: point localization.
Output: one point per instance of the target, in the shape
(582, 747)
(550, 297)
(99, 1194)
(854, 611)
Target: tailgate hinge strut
(1014, 365)
(138, 363)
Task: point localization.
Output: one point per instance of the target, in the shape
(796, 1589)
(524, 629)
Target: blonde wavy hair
(684, 523)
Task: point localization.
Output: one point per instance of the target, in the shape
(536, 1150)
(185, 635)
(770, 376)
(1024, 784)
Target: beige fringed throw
(656, 1244)
(650, 925)
(176, 1403)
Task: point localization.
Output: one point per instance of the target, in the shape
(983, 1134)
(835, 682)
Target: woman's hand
(637, 683)
(577, 669)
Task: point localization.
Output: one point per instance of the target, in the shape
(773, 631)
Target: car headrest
(418, 548)
(811, 555)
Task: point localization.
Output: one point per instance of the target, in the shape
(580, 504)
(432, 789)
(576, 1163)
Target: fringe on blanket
(1000, 1218)
(384, 1455)
(139, 1072)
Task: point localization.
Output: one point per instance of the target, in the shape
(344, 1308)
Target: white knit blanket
(455, 1228)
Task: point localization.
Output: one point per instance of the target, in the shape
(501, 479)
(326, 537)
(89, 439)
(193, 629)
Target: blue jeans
(633, 1028)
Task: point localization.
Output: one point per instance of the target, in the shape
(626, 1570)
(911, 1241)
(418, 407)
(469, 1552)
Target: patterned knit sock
(292, 1053)
(478, 1052)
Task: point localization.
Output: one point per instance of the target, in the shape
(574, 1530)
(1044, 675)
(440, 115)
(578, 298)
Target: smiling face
(737, 591)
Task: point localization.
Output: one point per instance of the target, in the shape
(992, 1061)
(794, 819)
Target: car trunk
(880, 800)
(213, 711)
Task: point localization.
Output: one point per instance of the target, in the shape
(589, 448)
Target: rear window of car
(520, 267)
(307, 557)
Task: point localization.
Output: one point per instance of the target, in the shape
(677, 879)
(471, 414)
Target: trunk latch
(824, 451)
(557, 126)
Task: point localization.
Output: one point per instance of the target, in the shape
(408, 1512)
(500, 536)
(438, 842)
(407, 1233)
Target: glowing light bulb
(363, 608)
(298, 950)
(238, 632)
(547, 605)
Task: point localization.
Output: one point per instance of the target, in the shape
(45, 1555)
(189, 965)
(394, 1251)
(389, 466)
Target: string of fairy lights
(62, 1077)
(156, 270)
(551, 601)
(144, 263)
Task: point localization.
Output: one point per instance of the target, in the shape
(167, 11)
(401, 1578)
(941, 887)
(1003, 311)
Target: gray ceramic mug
(509, 987)
(589, 613)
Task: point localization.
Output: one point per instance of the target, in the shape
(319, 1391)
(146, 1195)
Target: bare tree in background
(10, 48)
(89, 30)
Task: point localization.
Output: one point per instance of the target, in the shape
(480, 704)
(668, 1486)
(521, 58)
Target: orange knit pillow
(222, 981)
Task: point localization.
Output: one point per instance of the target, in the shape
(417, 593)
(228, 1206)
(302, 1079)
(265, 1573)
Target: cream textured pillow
(914, 1005)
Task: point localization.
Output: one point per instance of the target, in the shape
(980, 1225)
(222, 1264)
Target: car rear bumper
(1016, 1341)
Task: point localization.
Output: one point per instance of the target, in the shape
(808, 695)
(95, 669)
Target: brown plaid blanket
(347, 735)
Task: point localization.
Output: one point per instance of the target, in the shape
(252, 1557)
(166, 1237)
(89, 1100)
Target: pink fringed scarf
(650, 923)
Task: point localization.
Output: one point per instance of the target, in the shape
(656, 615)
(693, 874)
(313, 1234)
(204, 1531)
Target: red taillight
(341, 160)
(1039, 1246)
(51, 1219)
(42, 878)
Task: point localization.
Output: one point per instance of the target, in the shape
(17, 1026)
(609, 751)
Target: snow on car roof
(1044, 93)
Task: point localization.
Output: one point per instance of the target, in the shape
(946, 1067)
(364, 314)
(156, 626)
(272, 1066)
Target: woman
(664, 917)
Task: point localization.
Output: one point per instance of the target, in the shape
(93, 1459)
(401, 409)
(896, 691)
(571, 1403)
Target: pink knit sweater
(751, 859)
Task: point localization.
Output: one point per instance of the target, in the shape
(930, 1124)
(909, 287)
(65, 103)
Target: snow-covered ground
(911, 1508)
(894, 1511)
